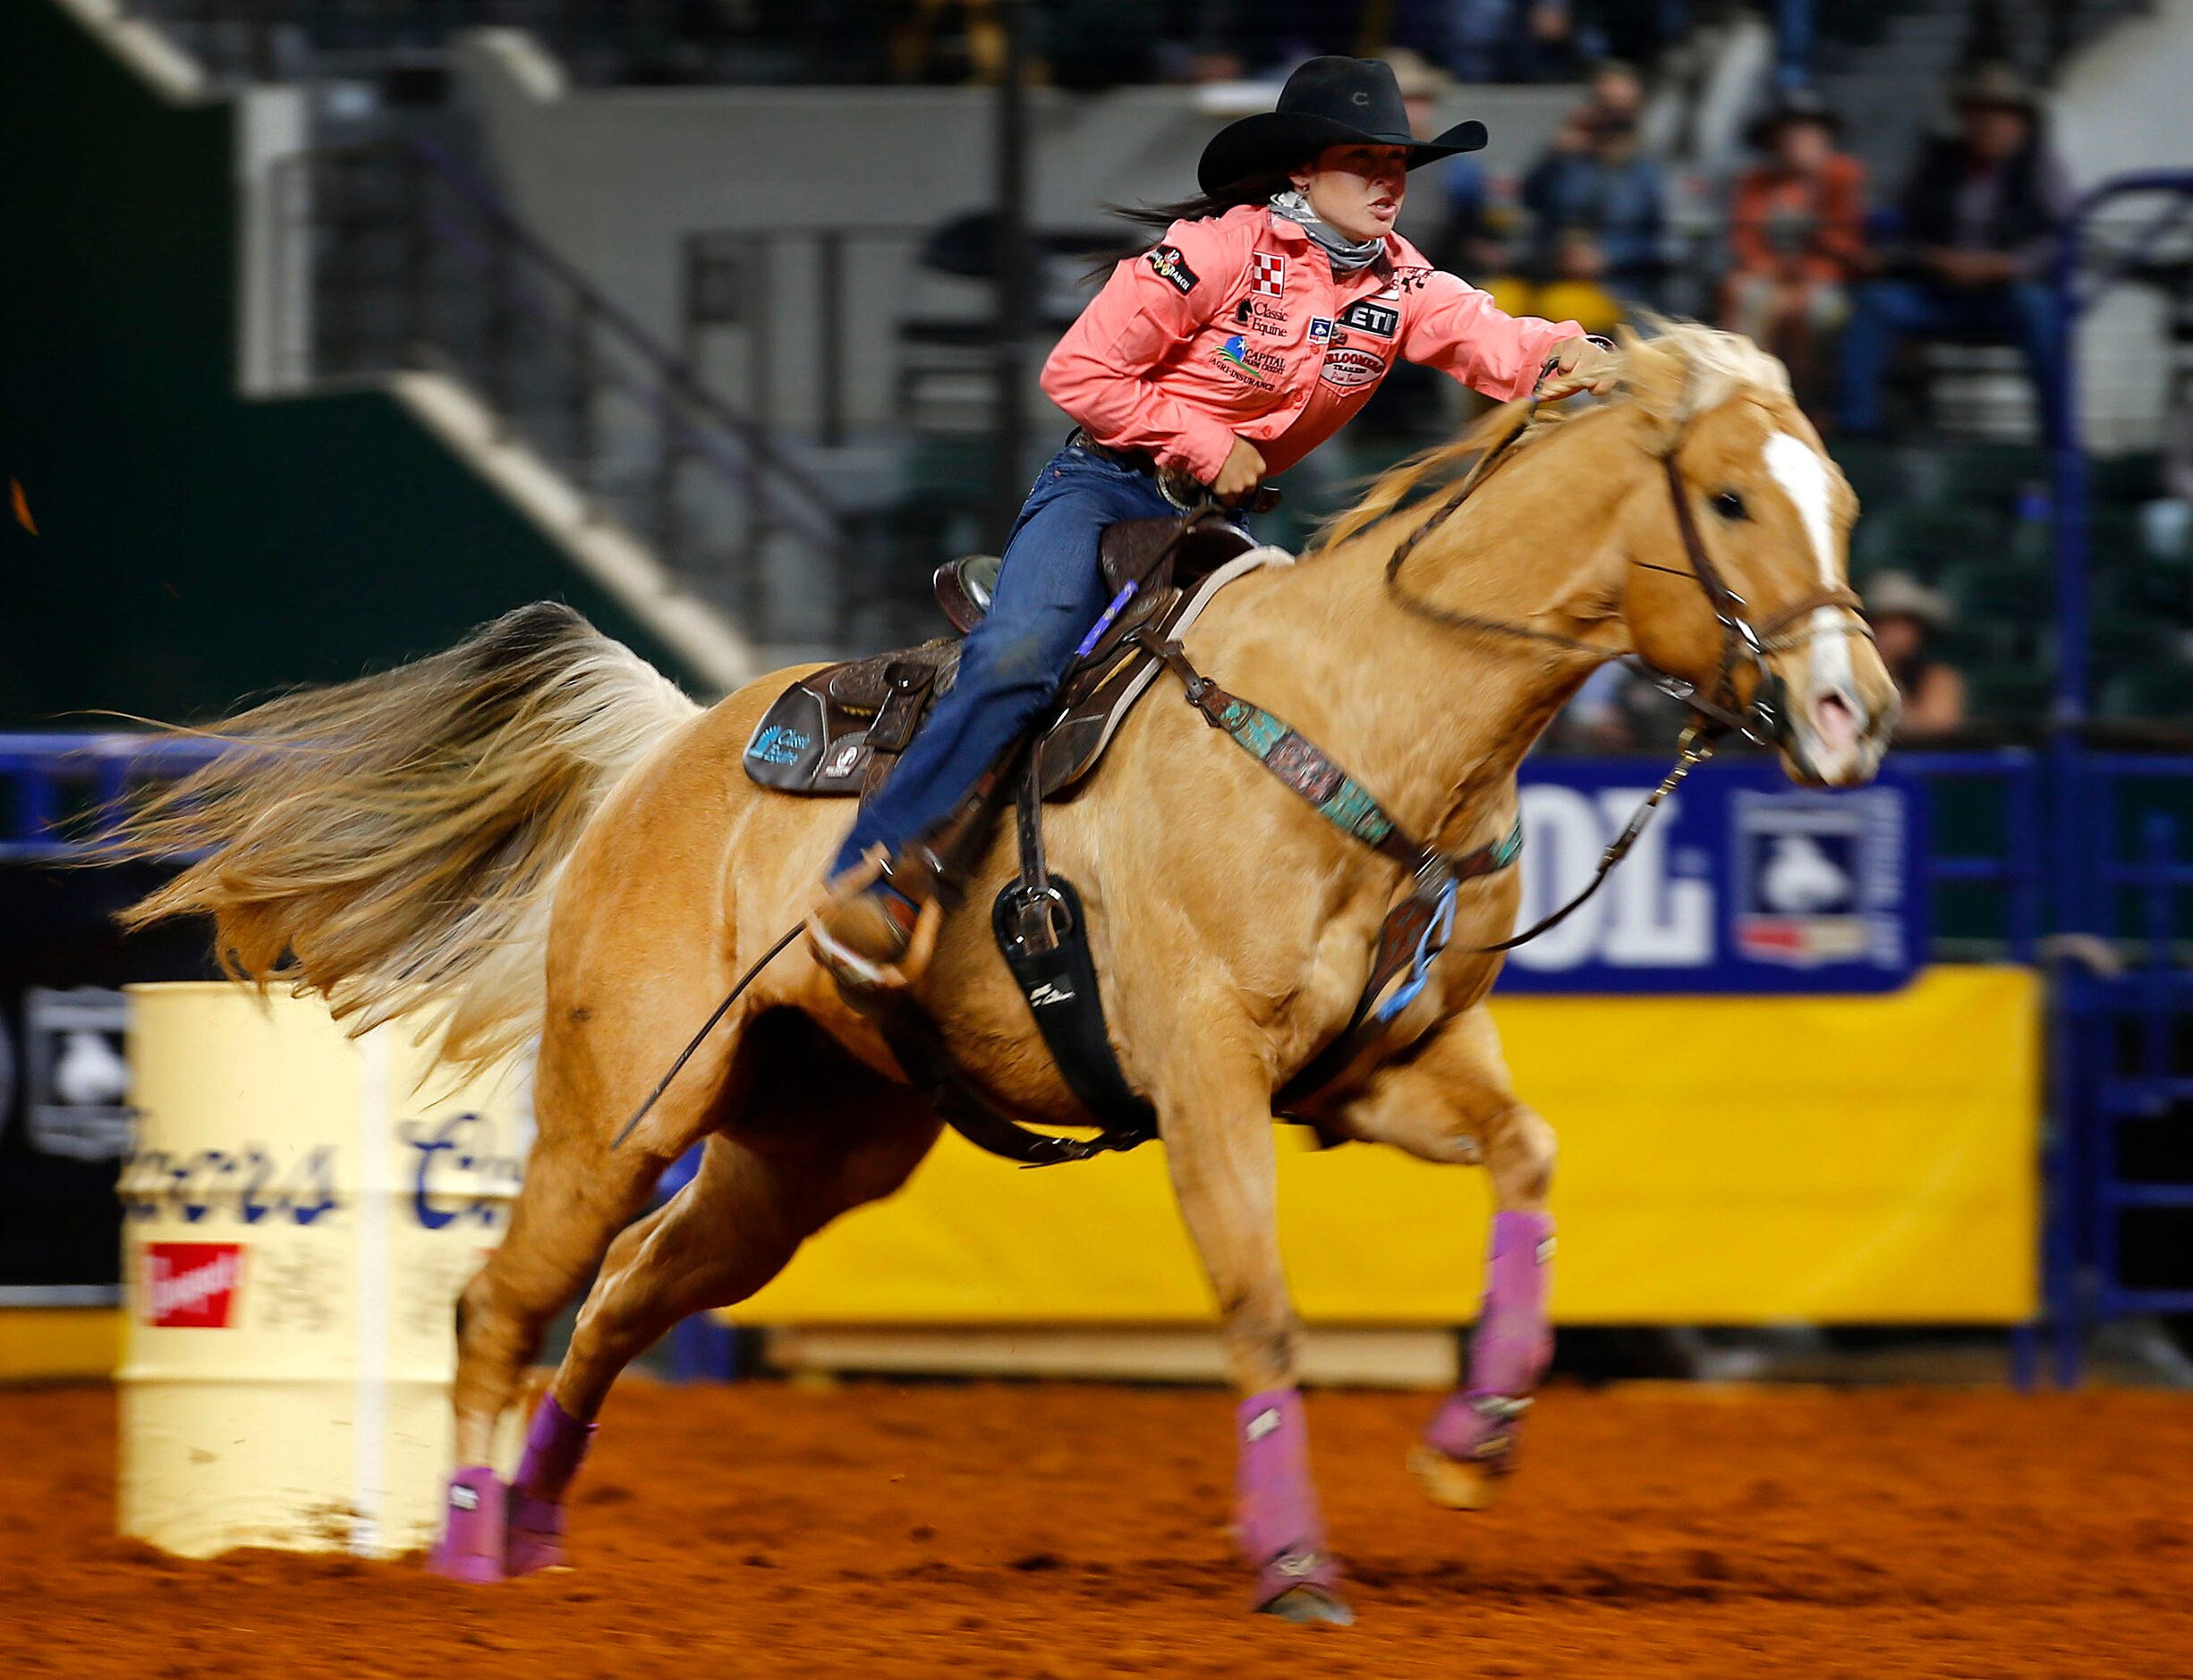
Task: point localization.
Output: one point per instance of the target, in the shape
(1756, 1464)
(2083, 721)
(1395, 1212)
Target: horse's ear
(1656, 379)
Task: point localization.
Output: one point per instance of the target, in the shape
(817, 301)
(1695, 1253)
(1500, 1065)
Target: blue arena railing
(2122, 1052)
(53, 787)
(2122, 885)
(2098, 999)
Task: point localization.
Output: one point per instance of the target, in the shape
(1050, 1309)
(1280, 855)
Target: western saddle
(837, 732)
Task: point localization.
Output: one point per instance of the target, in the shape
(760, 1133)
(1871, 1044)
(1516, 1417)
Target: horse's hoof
(1453, 1483)
(1310, 1606)
(472, 1540)
(1302, 1584)
(536, 1538)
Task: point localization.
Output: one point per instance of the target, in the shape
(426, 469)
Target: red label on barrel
(189, 1286)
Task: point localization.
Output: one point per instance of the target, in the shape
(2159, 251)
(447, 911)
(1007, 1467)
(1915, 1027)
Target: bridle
(1760, 718)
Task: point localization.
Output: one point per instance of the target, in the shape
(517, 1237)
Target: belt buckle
(1179, 488)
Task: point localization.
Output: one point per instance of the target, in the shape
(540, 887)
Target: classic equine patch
(1244, 361)
(1267, 273)
(1167, 261)
(1267, 320)
(1381, 321)
(1349, 366)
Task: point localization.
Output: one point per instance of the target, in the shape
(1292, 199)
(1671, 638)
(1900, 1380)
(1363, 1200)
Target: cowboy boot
(871, 935)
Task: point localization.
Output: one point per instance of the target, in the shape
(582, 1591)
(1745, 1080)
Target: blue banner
(1745, 883)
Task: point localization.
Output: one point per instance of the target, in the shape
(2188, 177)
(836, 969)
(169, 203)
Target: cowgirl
(1272, 306)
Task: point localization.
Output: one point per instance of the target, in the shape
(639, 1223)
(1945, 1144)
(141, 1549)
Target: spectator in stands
(1797, 233)
(1906, 617)
(1619, 710)
(1505, 40)
(1980, 217)
(1486, 228)
(1598, 206)
(1226, 40)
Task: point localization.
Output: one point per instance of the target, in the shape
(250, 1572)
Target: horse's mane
(1681, 372)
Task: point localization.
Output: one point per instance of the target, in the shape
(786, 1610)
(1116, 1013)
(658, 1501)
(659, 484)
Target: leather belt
(1178, 487)
(1134, 460)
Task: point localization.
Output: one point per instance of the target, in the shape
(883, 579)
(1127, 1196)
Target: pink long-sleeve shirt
(1236, 326)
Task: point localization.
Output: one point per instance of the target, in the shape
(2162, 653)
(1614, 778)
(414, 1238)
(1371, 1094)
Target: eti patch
(1170, 265)
(1381, 321)
(1267, 273)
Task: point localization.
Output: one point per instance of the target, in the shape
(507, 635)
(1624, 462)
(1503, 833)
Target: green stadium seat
(1875, 471)
(2009, 693)
(2121, 642)
(1986, 642)
(2127, 479)
(1922, 538)
(1999, 591)
(1987, 475)
(2160, 691)
(2113, 536)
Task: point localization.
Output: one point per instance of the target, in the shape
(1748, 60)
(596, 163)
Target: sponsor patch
(1170, 265)
(1381, 321)
(1267, 273)
(1411, 279)
(778, 745)
(1269, 321)
(1320, 329)
(1349, 367)
(189, 1286)
(1244, 361)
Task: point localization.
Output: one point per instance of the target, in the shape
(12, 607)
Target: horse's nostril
(1835, 721)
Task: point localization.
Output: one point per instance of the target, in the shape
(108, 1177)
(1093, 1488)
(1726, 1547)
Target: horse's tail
(394, 842)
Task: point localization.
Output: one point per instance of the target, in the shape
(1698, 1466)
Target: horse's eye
(1729, 504)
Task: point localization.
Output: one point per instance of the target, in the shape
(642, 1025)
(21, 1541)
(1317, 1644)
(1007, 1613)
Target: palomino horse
(534, 832)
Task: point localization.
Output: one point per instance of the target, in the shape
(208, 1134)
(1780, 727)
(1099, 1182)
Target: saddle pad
(815, 738)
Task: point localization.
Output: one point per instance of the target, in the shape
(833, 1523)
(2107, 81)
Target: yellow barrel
(300, 1213)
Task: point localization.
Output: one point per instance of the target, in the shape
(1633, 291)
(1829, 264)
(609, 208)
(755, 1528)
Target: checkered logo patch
(1267, 273)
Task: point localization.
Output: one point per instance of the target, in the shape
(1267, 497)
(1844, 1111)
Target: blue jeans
(1886, 310)
(1048, 595)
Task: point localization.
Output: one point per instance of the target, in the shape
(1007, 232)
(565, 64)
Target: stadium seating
(1973, 520)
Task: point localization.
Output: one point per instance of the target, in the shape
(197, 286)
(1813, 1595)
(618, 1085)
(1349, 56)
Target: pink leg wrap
(554, 1445)
(471, 1543)
(1512, 1347)
(1280, 1531)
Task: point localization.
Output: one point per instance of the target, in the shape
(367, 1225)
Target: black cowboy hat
(1792, 105)
(1326, 102)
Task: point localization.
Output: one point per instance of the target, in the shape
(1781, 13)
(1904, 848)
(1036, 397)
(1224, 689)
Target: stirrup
(860, 974)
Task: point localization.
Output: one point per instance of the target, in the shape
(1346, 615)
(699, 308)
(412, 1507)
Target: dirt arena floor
(1059, 1530)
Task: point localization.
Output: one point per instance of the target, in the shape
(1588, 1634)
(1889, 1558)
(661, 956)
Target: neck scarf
(1347, 255)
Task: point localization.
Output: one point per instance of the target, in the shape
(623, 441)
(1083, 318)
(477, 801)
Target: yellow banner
(1724, 1160)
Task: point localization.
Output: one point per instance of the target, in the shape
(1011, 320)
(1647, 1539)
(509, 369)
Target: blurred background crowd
(763, 285)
